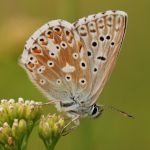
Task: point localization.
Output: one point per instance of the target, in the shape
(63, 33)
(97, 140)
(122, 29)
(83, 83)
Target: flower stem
(51, 146)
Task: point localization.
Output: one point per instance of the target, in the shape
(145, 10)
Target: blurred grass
(128, 87)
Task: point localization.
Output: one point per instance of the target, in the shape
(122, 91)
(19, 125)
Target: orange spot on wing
(51, 35)
(30, 66)
(37, 51)
(58, 33)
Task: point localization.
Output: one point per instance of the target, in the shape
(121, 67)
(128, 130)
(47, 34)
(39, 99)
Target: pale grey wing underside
(102, 35)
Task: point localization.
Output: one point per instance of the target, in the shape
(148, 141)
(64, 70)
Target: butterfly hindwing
(55, 61)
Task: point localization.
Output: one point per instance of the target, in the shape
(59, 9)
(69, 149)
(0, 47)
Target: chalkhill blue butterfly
(70, 63)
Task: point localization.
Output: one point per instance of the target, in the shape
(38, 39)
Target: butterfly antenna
(123, 113)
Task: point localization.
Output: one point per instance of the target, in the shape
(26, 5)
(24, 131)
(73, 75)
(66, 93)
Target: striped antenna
(123, 113)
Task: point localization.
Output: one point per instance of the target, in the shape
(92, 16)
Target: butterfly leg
(74, 120)
(64, 133)
(51, 102)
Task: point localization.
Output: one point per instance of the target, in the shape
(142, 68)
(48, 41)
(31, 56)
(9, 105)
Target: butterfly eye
(75, 55)
(49, 34)
(68, 77)
(95, 111)
(63, 45)
(36, 49)
(82, 81)
(42, 40)
(50, 63)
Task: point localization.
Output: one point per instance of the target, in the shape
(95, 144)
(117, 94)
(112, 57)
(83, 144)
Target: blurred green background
(127, 89)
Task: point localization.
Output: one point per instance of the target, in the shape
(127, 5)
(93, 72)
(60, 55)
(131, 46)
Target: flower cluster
(50, 129)
(17, 120)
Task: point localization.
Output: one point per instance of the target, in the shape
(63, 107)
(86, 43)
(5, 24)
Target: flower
(50, 129)
(17, 119)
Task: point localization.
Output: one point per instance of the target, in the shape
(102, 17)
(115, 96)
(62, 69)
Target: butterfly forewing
(102, 36)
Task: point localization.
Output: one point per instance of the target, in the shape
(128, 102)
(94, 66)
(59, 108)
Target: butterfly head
(95, 111)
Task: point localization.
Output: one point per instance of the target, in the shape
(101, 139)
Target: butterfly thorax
(74, 108)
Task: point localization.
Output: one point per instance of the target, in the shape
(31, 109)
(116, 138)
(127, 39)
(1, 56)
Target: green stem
(54, 142)
(25, 142)
(25, 139)
(22, 143)
(50, 145)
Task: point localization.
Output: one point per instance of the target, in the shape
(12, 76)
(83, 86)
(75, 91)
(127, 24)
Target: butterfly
(70, 63)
